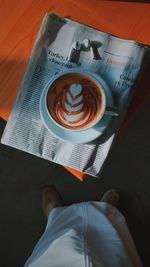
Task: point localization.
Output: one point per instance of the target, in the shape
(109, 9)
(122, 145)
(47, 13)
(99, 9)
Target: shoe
(50, 200)
(111, 197)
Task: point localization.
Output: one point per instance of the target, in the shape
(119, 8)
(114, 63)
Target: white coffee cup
(75, 94)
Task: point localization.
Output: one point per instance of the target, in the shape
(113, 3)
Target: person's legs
(96, 227)
(111, 197)
(50, 200)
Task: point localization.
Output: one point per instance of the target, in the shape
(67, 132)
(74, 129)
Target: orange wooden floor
(20, 21)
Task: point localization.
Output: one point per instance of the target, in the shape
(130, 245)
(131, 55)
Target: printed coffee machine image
(78, 47)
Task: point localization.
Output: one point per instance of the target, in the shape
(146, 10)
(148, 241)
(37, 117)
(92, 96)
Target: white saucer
(76, 137)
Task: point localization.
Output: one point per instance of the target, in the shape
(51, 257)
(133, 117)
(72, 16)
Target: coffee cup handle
(112, 111)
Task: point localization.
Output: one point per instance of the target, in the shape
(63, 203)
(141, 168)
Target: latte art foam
(75, 101)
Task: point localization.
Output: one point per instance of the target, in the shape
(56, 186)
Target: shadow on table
(141, 96)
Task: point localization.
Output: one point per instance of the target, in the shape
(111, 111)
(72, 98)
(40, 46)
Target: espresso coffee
(76, 101)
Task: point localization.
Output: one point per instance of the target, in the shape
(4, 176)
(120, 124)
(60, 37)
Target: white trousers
(88, 234)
